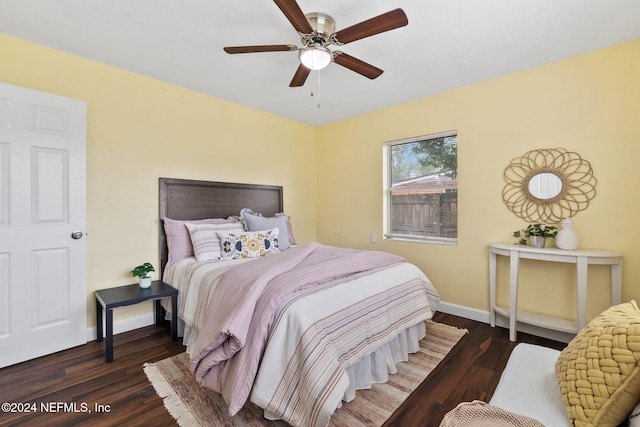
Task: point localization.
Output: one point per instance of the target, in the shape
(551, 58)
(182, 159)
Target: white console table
(582, 258)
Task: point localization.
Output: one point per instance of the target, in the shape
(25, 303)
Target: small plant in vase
(142, 272)
(536, 233)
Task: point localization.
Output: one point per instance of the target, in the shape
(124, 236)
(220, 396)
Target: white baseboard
(462, 311)
(484, 317)
(124, 325)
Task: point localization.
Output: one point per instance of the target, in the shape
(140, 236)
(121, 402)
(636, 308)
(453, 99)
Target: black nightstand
(133, 294)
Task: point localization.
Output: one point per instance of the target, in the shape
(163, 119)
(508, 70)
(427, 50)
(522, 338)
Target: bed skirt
(377, 366)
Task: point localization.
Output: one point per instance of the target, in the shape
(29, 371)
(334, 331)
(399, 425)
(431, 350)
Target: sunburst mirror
(548, 185)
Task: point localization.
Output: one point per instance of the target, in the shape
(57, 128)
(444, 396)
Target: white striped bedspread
(315, 335)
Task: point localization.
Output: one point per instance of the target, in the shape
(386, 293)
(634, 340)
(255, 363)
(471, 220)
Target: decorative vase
(537, 241)
(145, 282)
(567, 238)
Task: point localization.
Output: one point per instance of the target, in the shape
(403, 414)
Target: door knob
(76, 235)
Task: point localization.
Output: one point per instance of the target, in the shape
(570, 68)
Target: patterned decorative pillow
(178, 239)
(254, 221)
(599, 371)
(249, 244)
(206, 241)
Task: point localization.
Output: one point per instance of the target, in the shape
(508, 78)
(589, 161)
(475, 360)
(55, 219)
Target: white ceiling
(447, 44)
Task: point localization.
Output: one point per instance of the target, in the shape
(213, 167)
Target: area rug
(192, 405)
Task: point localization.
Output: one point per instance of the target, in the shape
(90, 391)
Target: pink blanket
(244, 305)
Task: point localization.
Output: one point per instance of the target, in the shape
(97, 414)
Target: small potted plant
(142, 272)
(536, 233)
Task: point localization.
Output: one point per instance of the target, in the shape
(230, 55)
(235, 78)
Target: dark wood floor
(125, 397)
(471, 371)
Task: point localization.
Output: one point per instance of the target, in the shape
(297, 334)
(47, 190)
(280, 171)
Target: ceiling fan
(317, 32)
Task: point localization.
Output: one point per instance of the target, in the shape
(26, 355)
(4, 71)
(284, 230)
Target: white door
(43, 293)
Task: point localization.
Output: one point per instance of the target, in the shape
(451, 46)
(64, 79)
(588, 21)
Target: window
(421, 189)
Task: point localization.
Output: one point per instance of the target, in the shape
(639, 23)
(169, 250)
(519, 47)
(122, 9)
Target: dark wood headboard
(190, 199)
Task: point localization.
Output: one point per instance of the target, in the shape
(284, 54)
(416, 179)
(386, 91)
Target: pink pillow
(178, 239)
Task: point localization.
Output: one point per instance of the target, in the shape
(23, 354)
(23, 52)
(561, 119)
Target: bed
(297, 331)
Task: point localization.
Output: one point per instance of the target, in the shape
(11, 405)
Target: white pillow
(206, 241)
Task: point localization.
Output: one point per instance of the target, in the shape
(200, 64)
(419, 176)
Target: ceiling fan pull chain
(318, 89)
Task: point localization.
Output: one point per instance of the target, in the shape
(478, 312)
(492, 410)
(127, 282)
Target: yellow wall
(589, 104)
(333, 174)
(140, 129)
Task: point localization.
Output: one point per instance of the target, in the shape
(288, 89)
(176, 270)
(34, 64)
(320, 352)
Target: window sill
(419, 239)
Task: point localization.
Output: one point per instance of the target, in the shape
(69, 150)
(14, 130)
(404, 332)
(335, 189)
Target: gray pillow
(254, 221)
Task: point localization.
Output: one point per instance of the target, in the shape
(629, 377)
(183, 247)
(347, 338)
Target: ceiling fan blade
(300, 76)
(295, 15)
(379, 24)
(264, 48)
(354, 64)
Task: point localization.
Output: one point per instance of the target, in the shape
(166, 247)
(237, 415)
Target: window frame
(387, 190)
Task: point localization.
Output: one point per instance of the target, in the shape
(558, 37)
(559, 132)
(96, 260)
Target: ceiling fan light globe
(315, 58)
